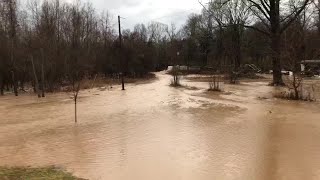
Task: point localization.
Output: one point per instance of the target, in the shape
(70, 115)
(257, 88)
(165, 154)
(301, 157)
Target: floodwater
(153, 131)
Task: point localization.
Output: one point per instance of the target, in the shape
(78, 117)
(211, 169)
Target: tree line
(235, 32)
(52, 43)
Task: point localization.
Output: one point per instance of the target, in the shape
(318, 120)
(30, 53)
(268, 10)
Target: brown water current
(154, 131)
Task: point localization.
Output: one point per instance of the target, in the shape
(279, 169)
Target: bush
(215, 83)
(175, 82)
(299, 94)
(296, 90)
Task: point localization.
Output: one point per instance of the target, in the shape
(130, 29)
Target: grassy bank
(49, 173)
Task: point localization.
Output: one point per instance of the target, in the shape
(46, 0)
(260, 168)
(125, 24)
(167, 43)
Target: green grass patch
(48, 173)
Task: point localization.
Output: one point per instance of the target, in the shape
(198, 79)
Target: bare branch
(258, 30)
(294, 16)
(265, 12)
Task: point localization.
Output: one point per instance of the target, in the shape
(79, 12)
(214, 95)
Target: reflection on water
(153, 131)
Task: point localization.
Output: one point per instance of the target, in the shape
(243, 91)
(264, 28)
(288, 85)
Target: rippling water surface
(153, 131)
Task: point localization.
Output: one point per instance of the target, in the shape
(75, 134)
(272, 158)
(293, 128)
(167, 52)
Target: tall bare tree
(11, 13)
(276, 21)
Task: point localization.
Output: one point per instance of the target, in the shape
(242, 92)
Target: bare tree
(172, 32)
(317, 7)
(269, 13)
(230, 18)
(156, 31)
(11, 7)
(293, 52)
(233, 15)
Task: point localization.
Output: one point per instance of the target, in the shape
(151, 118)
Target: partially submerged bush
(296, 90)
(215, 84)
(290, 95)
(175, 82)
(232, 76)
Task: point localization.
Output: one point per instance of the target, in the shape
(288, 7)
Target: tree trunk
(75, 110)
(275, 43)
(36, 84)
(237, 58)
(42, 82)
(1, 86)
(122, 80)
(206, 60)
(15, 84)
(42, 75)
(276, 61)
(22, 85)
(75, 96)
(237, 46)
(296, 92)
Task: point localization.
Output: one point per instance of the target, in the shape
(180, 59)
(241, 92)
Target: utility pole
(122, 64)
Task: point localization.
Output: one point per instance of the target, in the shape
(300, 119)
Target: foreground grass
(49, 173)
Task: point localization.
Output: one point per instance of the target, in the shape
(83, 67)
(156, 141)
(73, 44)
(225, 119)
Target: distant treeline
(52, 42)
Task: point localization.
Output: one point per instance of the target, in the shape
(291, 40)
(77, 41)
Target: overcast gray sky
(144, 11)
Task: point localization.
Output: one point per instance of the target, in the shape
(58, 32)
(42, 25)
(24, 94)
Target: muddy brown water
(153, 131)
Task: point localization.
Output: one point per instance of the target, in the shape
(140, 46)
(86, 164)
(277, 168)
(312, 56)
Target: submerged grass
(23, 173)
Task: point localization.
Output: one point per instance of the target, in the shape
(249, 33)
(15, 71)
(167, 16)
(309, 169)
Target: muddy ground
(154, 131)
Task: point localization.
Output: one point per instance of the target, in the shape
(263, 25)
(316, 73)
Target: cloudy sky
(144, 11)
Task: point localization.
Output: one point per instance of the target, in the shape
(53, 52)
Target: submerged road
(154, 131)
